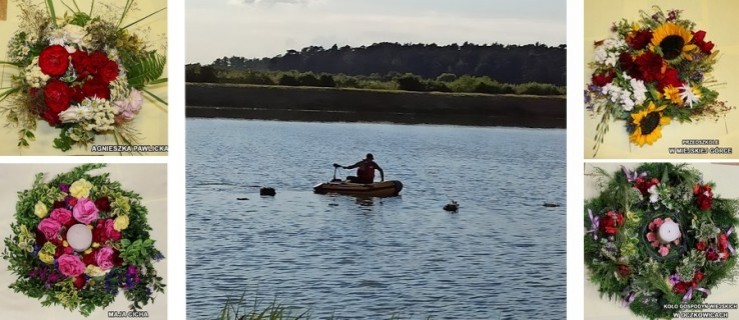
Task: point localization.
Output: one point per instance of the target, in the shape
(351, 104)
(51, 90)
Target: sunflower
(647, 124)
(673, 40)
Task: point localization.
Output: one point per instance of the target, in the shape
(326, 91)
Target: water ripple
(501, 256)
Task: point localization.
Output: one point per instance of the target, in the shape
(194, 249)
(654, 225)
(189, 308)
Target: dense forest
(491, 69)
(513, 64)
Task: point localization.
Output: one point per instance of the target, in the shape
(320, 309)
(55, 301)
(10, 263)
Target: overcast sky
(265, 28)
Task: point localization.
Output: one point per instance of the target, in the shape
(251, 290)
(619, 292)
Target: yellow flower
(673, 94)
(648, 124)
(80, 189)
(95, 271)
(41, 210)
(673, 40)
(46, 258)
(120, 223)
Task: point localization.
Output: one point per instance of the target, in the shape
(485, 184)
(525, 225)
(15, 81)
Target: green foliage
(647, 271)
(288, 80)
(389, 81)
(144, 69)
(513, 64)
(64, 142)
(135, 249)
(410, 82)
(137, 252)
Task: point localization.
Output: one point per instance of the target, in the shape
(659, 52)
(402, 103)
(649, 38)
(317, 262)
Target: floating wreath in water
(658, 236)
(79, 239)
(83, 74)
(651, 72)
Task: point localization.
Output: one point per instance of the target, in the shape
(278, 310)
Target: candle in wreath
(669, 231)
(79, 237)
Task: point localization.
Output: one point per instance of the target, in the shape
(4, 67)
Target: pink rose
(664, 250)
(110, 230)
(62, 215)
(71, 265)
(130, 106)
(85, 211)
(104, 257)
(50, 228)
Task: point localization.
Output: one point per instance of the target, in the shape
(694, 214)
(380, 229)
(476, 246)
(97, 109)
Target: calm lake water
(502, 256)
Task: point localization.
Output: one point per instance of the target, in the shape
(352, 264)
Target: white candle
(669, 231)
(79, 237)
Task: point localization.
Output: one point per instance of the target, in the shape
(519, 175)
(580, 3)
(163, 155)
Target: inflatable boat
(388, 188)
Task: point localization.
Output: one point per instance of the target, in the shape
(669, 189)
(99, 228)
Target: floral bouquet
(650, 72)
(84, 74)
(80, 239)
(657, 237)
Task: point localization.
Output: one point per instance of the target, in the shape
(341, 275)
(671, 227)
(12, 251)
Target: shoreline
(360, 105)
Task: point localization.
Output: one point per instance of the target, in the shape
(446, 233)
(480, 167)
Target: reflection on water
(501, 256)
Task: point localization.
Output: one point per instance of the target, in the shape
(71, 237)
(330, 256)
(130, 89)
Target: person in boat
(365, 170)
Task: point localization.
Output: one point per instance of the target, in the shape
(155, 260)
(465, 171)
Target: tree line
(445, 82)
(516, 69)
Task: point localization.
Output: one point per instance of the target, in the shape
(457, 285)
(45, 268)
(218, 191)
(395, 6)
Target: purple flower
(674, 279)
(64, 187)
(158, 256)
(132, 277)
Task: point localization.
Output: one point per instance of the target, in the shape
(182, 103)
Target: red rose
(54, 60)
(78, 94)
(640, 39)
(697, 277)
(59, 204)
(108, 72)
(104, 231)
(711, 255)
(700, 246)
(79, 282)
(98, 59)
(626, 62)
(698, 39)
(96, 88)
(117, 260)
(623, 270)
(59, 251)
(71, 201)
(611, 222)
(82, 64)
(680, 287)
(650, 66)
(643, 185)
(51, 117)
(704, 196)
(89, 259)
(57, 95)
(602, 79)
(723, 242)
(40, 238)
(670, 78)
(103, 203)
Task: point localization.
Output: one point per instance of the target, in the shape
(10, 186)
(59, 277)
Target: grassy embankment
(241, 310)
(352, 105)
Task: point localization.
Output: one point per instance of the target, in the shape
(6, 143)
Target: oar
(336, 167)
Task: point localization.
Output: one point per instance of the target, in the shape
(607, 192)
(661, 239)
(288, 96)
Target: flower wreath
(79, 239)
(650, 72)
(83, 74)
(658, 236)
